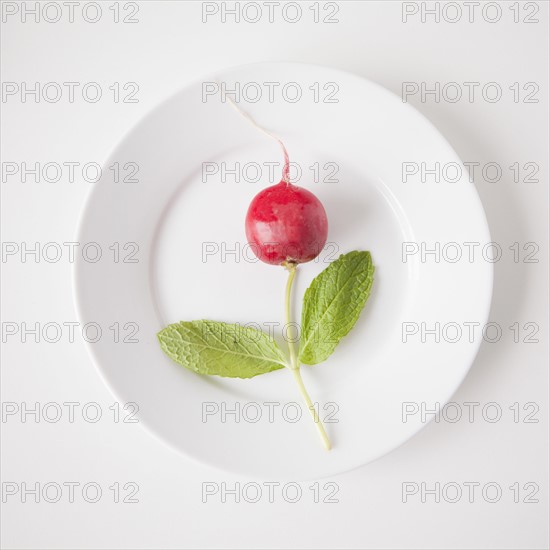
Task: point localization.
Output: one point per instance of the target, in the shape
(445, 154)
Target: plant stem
(291, 267)
(294, 363)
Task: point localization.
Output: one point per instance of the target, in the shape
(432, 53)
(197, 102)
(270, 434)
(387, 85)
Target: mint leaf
(211, 347)
(332, 305)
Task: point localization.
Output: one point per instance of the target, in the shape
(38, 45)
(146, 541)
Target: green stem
(291, 267)
(295, 364)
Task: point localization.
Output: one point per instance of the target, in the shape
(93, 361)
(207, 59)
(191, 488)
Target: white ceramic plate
(186, 226)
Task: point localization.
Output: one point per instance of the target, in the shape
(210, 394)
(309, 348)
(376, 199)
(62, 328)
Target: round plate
(200, 163)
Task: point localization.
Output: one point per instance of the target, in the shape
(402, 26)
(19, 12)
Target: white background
(169, 47)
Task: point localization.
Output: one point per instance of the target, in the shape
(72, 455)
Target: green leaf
(211, 347)
(332, 305)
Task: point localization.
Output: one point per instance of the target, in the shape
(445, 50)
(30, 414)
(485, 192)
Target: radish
(287, 225)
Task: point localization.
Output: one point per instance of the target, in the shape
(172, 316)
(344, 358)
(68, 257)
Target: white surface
(168, 48)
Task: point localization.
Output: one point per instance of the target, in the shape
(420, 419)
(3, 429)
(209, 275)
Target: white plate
(172, 212)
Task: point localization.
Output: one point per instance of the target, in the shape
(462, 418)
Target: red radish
(286, 223)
